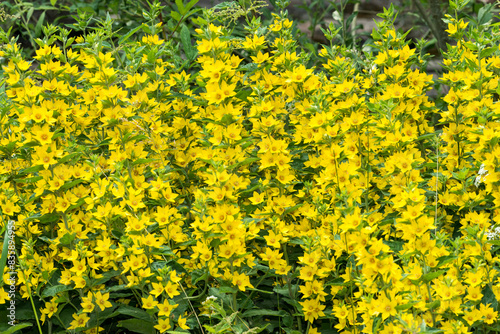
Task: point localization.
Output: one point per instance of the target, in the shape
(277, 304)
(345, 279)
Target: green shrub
(162, 185)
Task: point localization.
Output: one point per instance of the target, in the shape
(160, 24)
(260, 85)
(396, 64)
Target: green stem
(32, 303)
(249, 297)
(289, 286)
(433, 21)
(192, 308)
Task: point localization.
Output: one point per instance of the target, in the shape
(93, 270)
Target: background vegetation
(177, 169)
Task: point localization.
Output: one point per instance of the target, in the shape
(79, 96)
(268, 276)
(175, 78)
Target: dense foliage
(216, 182)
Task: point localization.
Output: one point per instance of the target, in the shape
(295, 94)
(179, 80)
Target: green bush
(214, 181)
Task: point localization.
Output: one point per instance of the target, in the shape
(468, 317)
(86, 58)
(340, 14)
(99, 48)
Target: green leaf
(180, 6)
(186, 43)
(124, 38)
(39, 24)
(116, 288)
(264, 312)
(190, 4)
(176, 16)
(143, 161)
(29, 179)
(445, 260)
(261, 291)
(291, 331)
(30, 13)
(30, 170)
(198, 275)
(405, 306)
(137, 138)
(138, 326)
(3, 259)
(49, 217)
(68, 238)
(71, 184)
(471, 46)
(69, 157)
(164, 250)
(106, 277)
(227, 289)
(243, 94)
(16, 328)
(285, 291)
(430, 276)
(489, 297)
(488, 51)
(257, 329)
(54, 290)
(395, 245)
(431, 331)
(462, 174)
(245, 162)
(46, 7)
(134, 312)
(484, 15)
(433, 305)
(293, 208)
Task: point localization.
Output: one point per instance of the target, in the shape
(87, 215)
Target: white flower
(482, 171)
(493, 233)
(209, 298)
(481, 175)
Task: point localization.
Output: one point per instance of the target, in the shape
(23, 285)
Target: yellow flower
(474, 293)
(149, 303)
(79, 267)
(312, 309)
(242, 281)
(182, 322)
(285, 176)
(4, 296)
(260, 58)
(135, 199)
(165, 308)
(307, 273)
(87, 303)
(171, 290)
(233, 132)
(254, 42)
(79, 320)
(257, 198)
(274, 240)
(50, 308)
(157, 289)
(102, 300)
(387, 307)
(226, 250)
(79, 281)
(489, 314)
(472, 316)
(152, 40)
(10, 208)
(474, 279)
(163, 325)
(453, 28)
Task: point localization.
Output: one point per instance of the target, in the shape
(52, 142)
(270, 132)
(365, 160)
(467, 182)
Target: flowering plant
(227, 186)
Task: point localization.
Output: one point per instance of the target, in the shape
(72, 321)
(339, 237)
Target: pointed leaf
(16, 328)
(138, 326)
(124, 38)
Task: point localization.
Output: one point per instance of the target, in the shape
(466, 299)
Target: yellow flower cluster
(252, 189)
